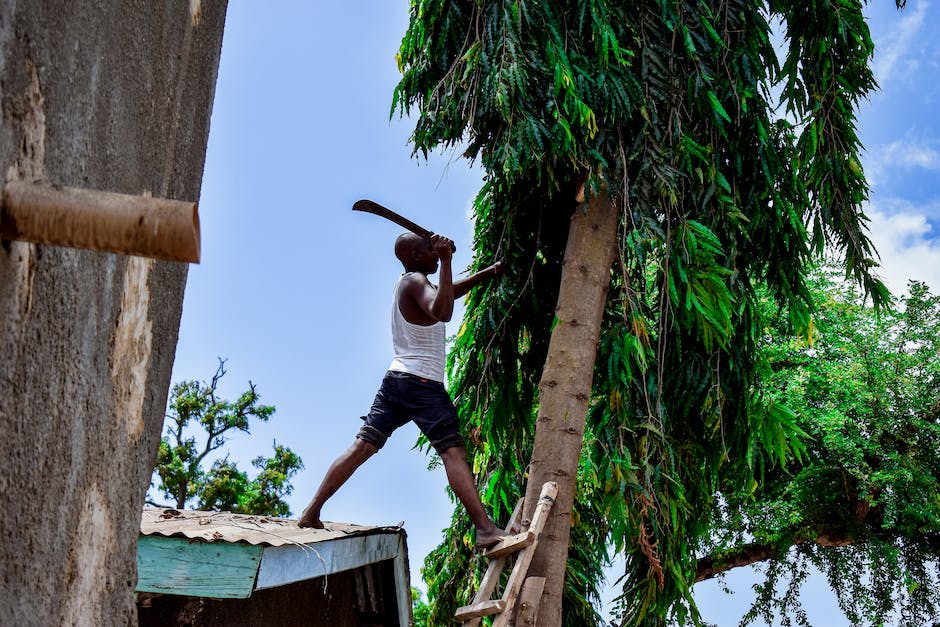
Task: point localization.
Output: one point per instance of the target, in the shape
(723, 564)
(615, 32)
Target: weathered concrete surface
(112, 96)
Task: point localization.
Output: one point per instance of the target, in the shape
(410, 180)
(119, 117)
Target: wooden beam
(219, 570)
(102, 221)
(529, 601)
(510, 544)
(484, 608)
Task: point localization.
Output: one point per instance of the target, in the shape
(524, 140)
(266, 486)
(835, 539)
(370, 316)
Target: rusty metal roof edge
(211, 526)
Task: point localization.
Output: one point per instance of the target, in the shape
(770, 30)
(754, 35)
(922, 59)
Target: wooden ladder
(519, 589)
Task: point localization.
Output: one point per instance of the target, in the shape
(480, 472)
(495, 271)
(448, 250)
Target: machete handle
(453, 246)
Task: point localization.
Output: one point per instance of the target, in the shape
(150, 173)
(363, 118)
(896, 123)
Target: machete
(373, 207)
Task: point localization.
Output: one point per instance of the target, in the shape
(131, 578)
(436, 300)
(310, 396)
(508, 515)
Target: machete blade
(370, 206)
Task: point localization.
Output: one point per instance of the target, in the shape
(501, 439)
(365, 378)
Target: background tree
(861, 504)
(180, 458)
(665, 110)
(419, 608)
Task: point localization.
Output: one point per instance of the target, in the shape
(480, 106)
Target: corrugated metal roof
(228, 527)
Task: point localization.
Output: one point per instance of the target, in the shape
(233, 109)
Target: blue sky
(294, 289)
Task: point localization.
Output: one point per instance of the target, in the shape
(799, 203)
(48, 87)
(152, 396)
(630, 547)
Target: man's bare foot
(310, 519)
(490, 536)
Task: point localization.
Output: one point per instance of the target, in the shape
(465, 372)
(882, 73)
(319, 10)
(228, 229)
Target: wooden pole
(102, 221)
(529, 600)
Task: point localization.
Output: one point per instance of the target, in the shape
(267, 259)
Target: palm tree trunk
(565, 388)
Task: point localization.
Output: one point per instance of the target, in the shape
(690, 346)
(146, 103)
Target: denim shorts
(403, 397)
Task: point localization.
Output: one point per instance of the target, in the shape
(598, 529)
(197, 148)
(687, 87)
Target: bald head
(407, 244)
(415, 253)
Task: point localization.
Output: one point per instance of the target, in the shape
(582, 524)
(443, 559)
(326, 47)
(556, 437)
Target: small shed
(218, 568)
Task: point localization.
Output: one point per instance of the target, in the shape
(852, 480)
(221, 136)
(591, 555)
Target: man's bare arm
(421, 302)
(442, 307)
(464, 285)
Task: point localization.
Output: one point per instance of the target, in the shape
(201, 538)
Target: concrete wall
(111, 95)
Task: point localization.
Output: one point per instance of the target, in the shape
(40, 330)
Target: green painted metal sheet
(219, 570)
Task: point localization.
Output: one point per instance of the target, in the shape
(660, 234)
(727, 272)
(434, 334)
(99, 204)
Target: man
(413, 387)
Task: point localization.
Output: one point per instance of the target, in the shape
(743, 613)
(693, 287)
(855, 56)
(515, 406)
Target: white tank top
(419, 349)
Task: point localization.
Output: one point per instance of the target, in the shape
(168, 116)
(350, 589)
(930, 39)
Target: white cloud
(901, 153)
(892, 57)
(908, 246)
(906, 153)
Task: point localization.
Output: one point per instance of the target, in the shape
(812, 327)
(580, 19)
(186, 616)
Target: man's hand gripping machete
(369, 206)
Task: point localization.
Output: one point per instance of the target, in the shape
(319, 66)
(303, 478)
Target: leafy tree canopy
(179, 469)
(861, 504)
(419, 608)
(672, 108)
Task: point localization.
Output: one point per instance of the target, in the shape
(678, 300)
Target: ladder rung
(486, 608)
(525, 542)
(510, 544)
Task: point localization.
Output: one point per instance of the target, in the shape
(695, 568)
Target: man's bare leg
(341, 470)
(461, 482)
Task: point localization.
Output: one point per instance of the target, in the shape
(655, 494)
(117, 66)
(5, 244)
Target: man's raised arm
(463, 286)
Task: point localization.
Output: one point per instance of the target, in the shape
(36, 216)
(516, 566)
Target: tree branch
(753, 552)
(745, 555)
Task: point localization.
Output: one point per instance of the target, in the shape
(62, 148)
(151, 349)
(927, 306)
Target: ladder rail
(525, 544)
(520, 570)
(491, 577)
